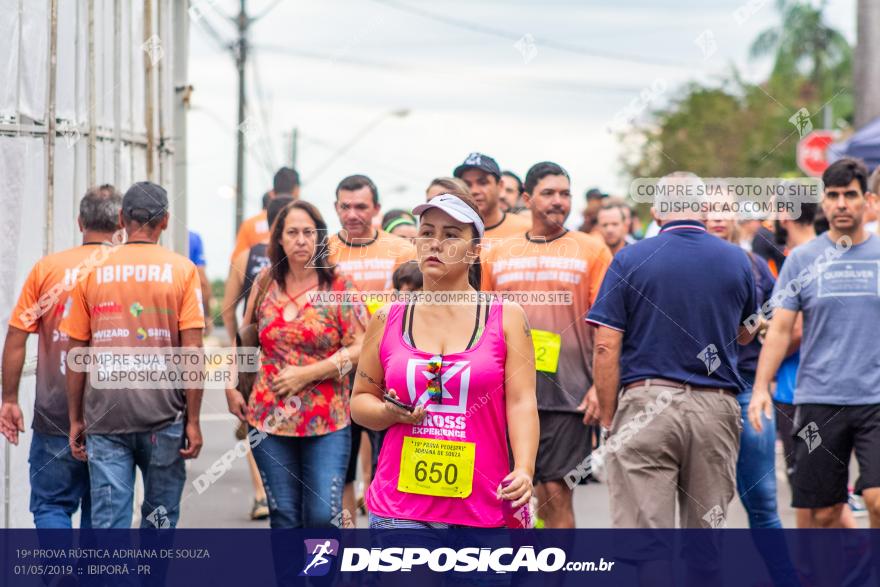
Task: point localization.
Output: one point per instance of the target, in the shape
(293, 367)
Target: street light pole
(401, 113)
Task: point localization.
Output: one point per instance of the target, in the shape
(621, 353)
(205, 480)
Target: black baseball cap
(478, 161)
(145, 201)
(595, 194)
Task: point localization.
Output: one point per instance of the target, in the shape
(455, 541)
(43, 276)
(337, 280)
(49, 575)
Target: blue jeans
(112, 459)
(59, 483)
(756, 485)
(756, 468)
(304, 477)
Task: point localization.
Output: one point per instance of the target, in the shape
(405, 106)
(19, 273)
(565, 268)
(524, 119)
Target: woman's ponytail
(475, 274)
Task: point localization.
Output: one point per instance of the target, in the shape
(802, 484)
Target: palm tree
(804, 45)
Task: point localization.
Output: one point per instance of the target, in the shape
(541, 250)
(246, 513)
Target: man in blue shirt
(669, 315)
(197, 256)
(833, 280)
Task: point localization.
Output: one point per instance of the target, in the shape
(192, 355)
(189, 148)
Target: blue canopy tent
(864, 144)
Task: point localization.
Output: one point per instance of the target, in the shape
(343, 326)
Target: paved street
(226, 504)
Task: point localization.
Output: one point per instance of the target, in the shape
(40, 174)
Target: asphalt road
(226, 503)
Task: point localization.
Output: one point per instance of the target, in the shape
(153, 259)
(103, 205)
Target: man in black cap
(483, 178)
(595, 200)
(141, 302)
(255, 230)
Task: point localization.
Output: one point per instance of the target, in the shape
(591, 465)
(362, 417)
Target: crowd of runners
(470, 361)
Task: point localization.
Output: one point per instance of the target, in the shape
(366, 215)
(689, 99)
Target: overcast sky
(521, 81)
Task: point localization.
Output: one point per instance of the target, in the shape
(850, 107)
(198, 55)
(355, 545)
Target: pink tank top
(448, 468)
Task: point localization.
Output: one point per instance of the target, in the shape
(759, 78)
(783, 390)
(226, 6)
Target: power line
(404, 69)
(391, 168)
(267, 10)
(265, 137)
(515, 36)
(221, 123)
(353, 141)
(212, 5)
(206, 27)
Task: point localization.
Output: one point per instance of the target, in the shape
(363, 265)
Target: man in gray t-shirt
(839, 285)
(835, 281)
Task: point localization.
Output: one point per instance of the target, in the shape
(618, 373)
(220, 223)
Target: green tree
(741, 129)
(804, 45)
(218, 288)
(725, 131)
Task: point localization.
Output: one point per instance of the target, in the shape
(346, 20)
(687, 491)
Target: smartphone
(398, 403)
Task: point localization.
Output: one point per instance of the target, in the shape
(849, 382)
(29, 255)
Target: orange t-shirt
(370, 265)
(43, 302)
(253, 231)
(142, 296)
(511, 225)
(575, 263)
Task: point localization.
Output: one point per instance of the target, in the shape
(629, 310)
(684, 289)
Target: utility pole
(243, 23)
(294, 138)
(182, 94)
(867, 65)
(239, 48)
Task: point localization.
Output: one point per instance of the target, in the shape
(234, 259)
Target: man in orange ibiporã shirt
(57, 491)
(143, 301)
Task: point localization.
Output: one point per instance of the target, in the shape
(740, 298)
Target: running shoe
(857, 504)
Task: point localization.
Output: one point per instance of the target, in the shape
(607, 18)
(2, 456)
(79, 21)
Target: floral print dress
(316, 333)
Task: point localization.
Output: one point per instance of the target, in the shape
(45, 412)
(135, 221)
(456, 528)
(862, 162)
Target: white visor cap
(455, 207)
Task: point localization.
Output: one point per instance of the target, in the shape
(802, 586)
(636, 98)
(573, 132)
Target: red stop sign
(812, 151)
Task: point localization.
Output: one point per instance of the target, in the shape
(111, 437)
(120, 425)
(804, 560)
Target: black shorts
(825, 436)
(784, 425)
(376, 439)
(351, 470)
(563, 445)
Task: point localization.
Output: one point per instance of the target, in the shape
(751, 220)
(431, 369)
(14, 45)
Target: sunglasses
(435, 387)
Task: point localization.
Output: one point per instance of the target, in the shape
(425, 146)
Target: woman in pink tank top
(450, 383)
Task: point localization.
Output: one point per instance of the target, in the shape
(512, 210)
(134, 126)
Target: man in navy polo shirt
(668, 317)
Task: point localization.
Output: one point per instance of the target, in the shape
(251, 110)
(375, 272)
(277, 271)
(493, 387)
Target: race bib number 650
(443, 468)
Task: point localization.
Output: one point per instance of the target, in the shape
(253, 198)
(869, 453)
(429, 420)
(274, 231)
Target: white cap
(455, 207)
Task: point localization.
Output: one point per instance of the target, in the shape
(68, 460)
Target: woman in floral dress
(298, 408)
